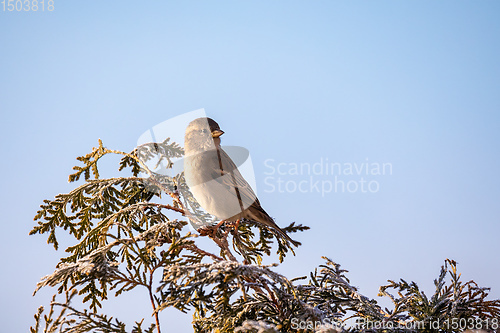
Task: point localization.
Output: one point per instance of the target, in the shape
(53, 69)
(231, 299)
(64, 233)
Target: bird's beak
(216, 133)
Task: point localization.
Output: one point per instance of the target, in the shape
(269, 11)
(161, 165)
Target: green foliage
(457, 302)
(78, 321)
(127, 228)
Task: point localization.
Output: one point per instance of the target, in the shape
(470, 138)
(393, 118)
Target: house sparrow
(215, 181)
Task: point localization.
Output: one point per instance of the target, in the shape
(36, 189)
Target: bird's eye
(204, 130)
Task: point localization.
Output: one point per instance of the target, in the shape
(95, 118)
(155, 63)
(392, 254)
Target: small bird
(215, 181)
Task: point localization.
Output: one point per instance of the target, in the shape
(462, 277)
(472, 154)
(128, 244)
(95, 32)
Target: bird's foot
(235, 224)
(210, 230)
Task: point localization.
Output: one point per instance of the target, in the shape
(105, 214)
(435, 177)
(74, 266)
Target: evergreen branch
(252, 326)
(124, 238)
(92, 200)
(449, 302)
(52, 324)
(96, 265)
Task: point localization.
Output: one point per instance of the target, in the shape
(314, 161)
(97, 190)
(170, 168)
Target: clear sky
(415, 84)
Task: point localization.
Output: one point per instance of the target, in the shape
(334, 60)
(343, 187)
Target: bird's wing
(227, 174)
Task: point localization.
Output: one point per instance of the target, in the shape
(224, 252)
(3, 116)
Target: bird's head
(202, 134)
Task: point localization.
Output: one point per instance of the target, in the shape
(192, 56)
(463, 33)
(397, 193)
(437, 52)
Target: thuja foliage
(128, 228)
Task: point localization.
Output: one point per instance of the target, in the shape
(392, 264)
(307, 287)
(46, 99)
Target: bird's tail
(288, 238)
(260, 216)
(278, 231)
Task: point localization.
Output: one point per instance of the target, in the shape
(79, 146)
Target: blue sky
(411, 83)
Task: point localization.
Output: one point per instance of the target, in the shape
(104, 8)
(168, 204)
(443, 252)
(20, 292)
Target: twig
(150, 287)
(196, 249)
